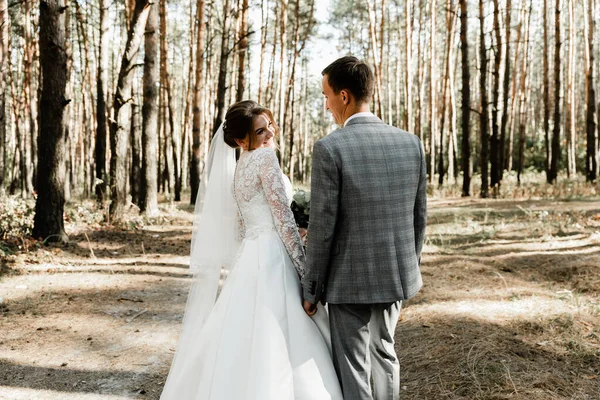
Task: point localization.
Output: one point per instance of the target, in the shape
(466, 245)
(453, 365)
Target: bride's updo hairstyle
(239, 122)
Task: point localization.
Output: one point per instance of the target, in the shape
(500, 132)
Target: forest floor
(510, 306)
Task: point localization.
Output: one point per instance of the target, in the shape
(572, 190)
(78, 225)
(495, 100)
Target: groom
(367, 227)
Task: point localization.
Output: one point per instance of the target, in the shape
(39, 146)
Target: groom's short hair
(351, 74)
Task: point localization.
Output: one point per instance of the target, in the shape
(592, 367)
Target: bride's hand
(309, 308)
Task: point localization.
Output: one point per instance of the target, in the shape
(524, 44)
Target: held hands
(309, 308)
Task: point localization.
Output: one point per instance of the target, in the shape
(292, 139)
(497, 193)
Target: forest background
(107, 109)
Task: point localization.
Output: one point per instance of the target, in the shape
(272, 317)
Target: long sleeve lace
(274, 187)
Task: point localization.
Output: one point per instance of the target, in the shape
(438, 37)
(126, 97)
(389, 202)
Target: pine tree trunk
(546, 118)
(120, 125)
(222, 80)
(409, 117)
(484, 118)
(432, 94)
(281, 85)
(555, 160)
(376, 64)
(166, 83)
(149, 183)
(523, 96)
(506, 81)
(513, 112)
(264, 18)
(591, 166)
(198, 104)
(49, 207)
(451, 14)
(101, 108)
(29, 130)
(571, 116)
(495, 144)
(4, 71)
(136, 148)
(242, 50)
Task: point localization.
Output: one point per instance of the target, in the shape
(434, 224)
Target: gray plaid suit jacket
(368, 215)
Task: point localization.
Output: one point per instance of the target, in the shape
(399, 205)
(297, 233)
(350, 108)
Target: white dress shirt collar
(357, 115)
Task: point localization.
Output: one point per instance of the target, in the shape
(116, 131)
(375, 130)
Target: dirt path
(510, 308)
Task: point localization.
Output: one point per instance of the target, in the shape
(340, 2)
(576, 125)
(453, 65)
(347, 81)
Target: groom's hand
(309, 308)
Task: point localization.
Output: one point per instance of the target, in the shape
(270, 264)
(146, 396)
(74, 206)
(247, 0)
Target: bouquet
(301, 208)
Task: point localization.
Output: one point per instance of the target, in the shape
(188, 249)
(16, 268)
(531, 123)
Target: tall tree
(168, 96)
(571, 116)
(546, 93)
(149, 189)
(590, 99)
(432, 93)
(555, 160)
(101, 109)
(495, 149)
(505, 83)
(484, 117)
(120, 125)
(49, 207)
(523, 94)
(222, 80)
(466, 99)
(198, 104)
(4, 40)
(242, 49)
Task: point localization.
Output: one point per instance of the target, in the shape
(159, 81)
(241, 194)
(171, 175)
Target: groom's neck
(358, 108)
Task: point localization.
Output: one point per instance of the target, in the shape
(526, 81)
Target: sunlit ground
(510, 308)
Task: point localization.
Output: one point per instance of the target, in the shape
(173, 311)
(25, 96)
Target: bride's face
(265, 131)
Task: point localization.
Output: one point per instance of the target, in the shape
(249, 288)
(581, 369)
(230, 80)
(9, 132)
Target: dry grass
(511, 304)
(510, 307)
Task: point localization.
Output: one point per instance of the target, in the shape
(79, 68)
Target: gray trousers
(362, 338)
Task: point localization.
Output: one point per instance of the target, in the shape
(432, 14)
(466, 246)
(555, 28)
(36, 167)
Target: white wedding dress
(257, 342)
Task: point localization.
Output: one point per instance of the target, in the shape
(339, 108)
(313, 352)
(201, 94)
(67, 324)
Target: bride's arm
(274, 187)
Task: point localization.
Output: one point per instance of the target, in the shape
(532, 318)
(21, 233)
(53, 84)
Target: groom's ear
(345, 96)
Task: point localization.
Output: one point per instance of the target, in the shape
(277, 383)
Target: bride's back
(257, 190)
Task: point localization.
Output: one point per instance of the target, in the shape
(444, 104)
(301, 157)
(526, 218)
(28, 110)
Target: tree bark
(554, 162)
(4, 71)
(571, 116)
(101, 109)
(281, 85)
(222, 80)
(409, 117)
(242, 50)
(263, 43)
(506, 81)
(120, 125)
(197, 110)
(484, 118)
(136, 148)
(495, 144)
(149, 189)
(546, 94)
(49, 207)
(591, 166)
(466, 99)
(166, 82)
(432, 94)
(523, 96)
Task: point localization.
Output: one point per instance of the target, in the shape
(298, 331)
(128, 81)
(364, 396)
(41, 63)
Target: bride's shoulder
(264, 154)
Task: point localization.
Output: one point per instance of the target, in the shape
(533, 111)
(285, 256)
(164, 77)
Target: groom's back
(381, 213)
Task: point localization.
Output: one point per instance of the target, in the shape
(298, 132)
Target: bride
(255, 342)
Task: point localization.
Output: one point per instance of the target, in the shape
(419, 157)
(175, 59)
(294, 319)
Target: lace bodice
(263, 196)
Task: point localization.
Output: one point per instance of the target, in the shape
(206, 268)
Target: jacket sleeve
(325, 185)
(420, 209)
